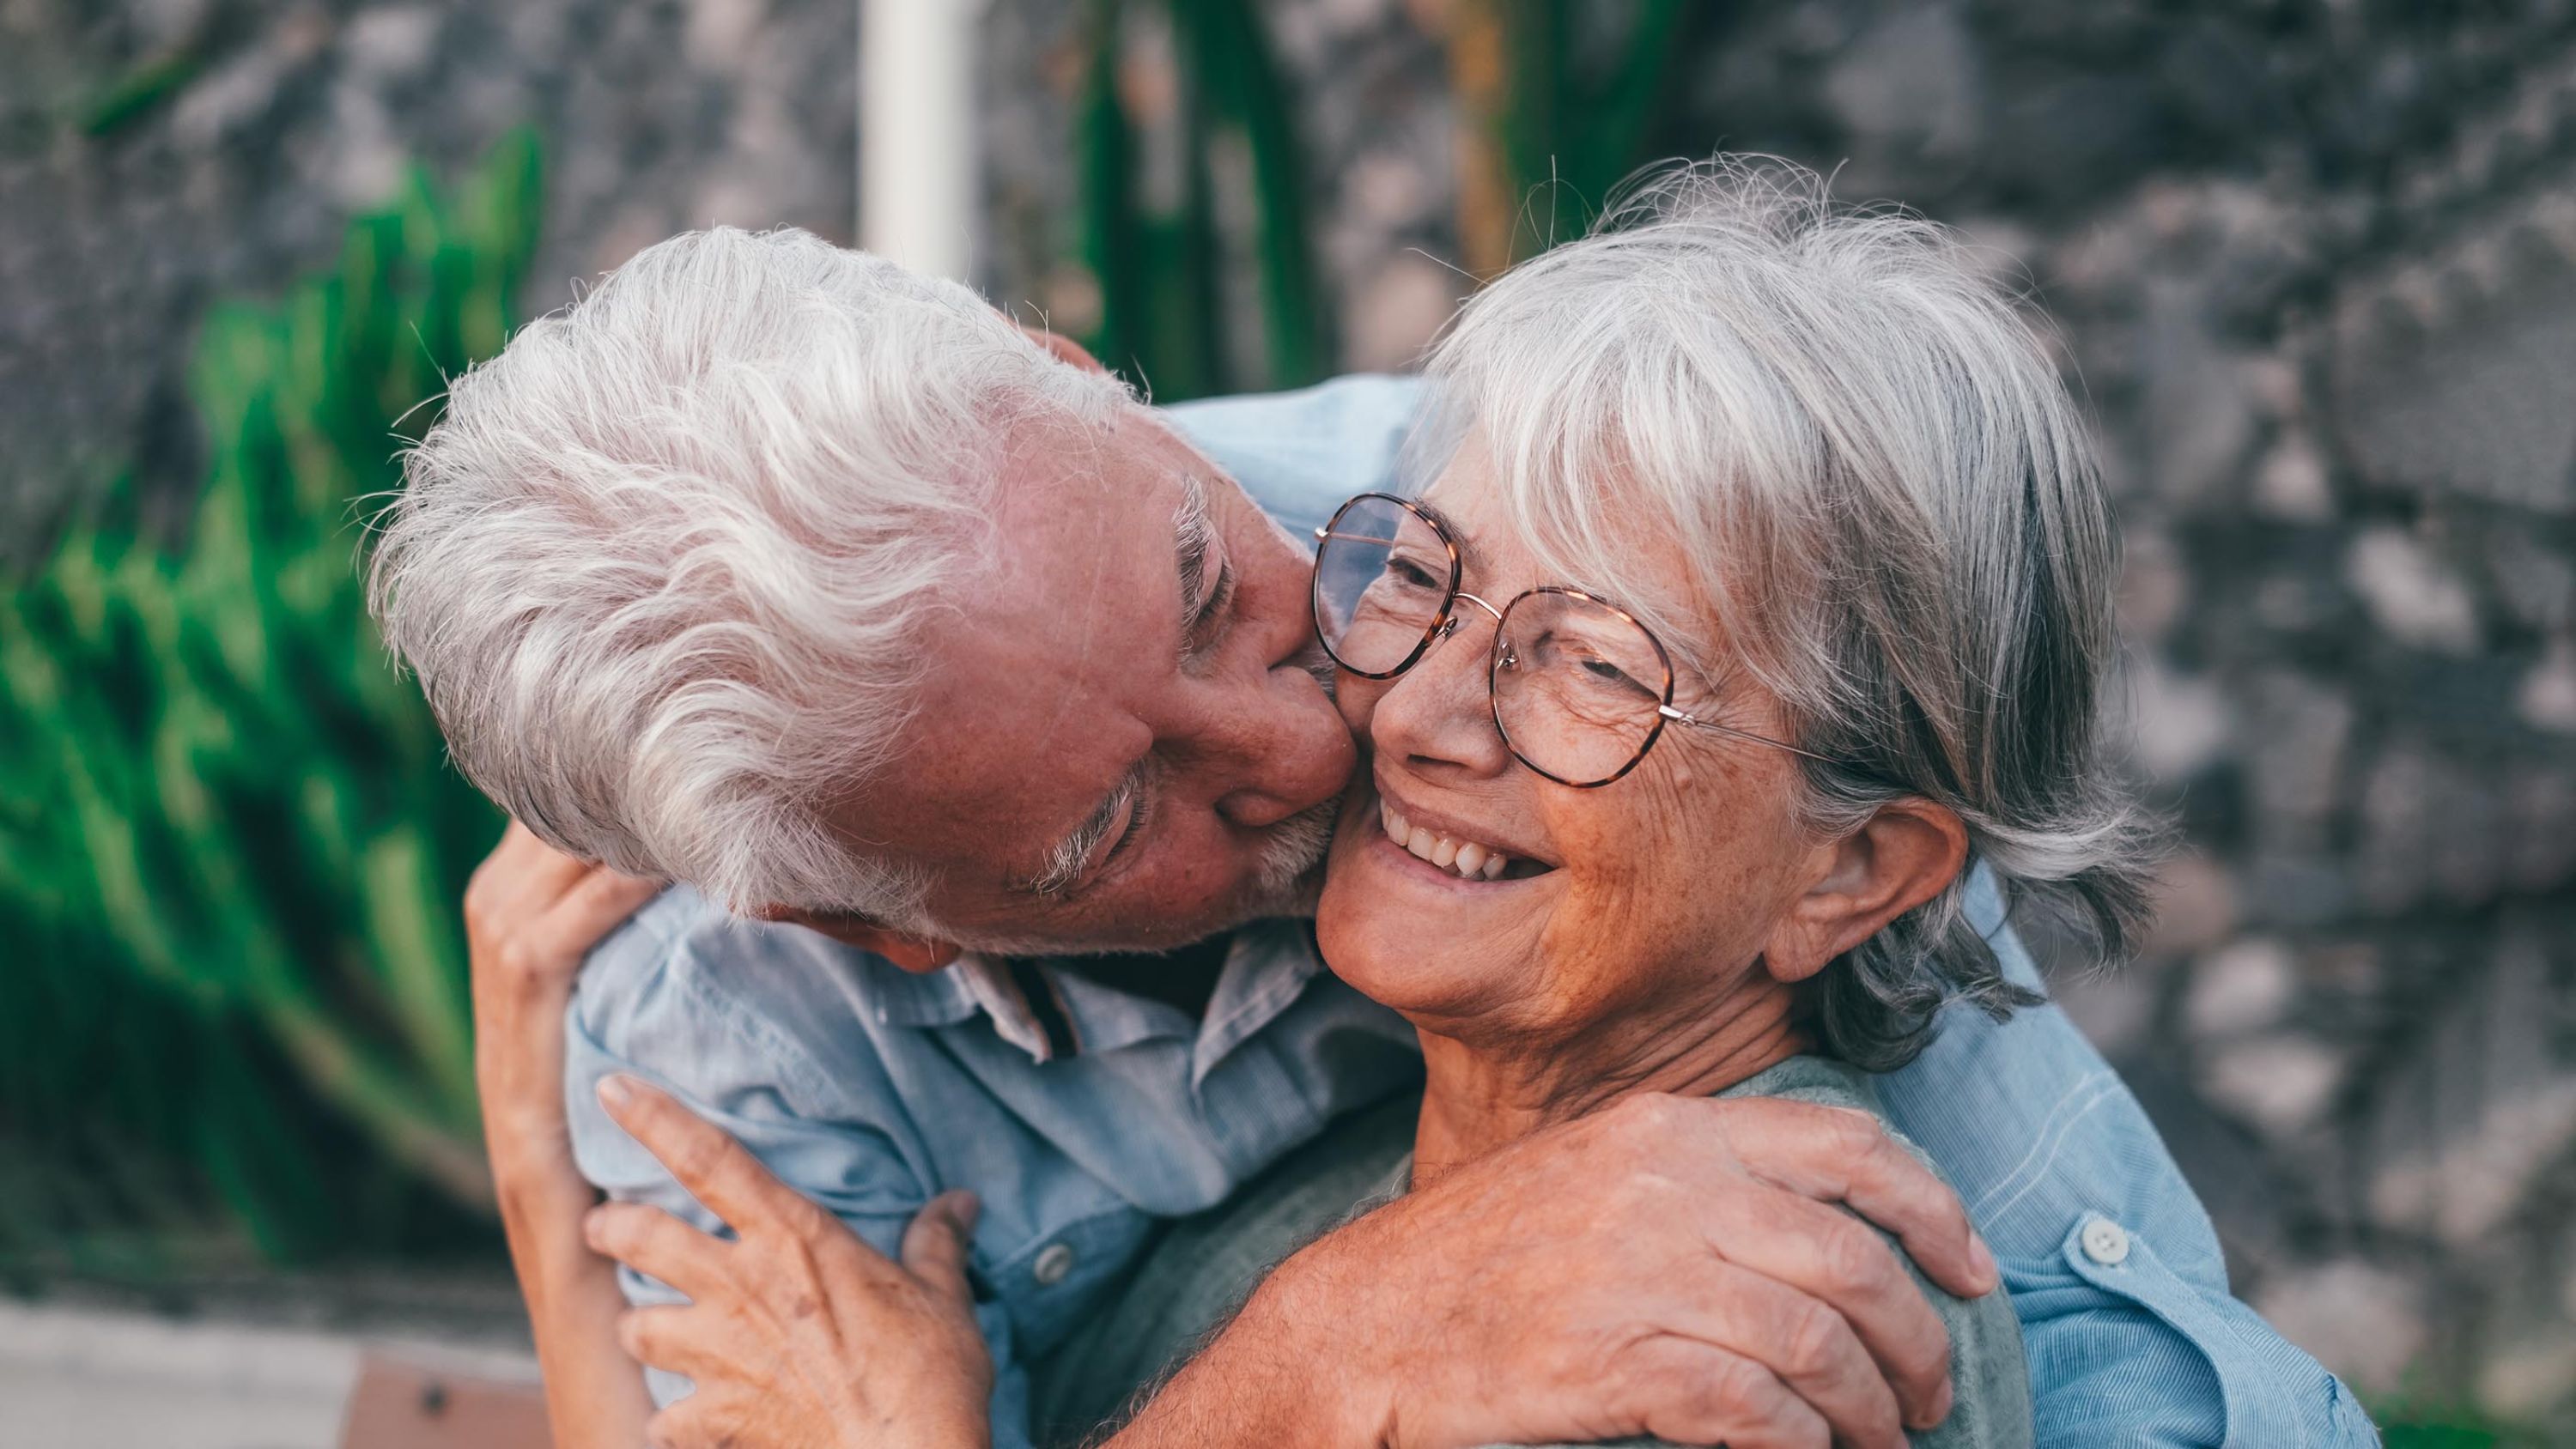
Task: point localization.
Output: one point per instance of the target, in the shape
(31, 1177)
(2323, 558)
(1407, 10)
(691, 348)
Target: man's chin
(1290, 877)
(1296, 897)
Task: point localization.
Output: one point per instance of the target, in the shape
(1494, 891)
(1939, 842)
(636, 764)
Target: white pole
(917, 151)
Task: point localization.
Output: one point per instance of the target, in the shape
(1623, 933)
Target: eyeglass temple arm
(1678, 717)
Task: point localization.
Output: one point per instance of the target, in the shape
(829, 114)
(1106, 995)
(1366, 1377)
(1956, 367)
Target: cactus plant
(230, 849)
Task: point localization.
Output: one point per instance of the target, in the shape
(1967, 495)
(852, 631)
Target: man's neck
(1479, 1097)
(1183, 977)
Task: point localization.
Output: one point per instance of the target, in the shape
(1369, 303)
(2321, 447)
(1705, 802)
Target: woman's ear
(1902, 857)
(919, 955)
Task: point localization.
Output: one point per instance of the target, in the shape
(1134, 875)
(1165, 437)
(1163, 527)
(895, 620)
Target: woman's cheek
(1645, 863)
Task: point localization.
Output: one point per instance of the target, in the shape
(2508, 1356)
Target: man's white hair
(663, 564)
(1891, 516)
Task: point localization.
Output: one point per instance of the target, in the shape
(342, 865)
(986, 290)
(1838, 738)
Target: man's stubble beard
(1287, 876)
(1290, 875)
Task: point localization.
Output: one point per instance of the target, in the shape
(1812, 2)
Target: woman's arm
(531, 914)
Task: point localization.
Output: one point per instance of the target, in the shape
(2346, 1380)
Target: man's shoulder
(1299, 454)
(682, 933)
(686, 990)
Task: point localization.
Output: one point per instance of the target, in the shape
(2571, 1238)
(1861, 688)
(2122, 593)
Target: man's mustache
(1316, 662)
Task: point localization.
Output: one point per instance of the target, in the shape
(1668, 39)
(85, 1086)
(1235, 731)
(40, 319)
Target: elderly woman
(1763, 587)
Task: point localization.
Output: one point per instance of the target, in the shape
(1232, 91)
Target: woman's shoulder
(1988, 1372)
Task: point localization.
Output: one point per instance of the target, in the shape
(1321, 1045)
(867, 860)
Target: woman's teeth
(1464, 859)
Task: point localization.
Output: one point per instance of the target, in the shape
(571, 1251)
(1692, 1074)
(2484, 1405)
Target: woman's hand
(531, 914)
(796, 1333)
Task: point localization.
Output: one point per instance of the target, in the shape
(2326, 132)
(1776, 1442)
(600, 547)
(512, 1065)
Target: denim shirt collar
(1266, 965)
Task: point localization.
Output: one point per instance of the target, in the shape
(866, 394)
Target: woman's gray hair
(662, 565)
(1892, 517)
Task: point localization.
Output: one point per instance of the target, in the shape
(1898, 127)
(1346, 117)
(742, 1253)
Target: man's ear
(1903, 857)
(1063, 348)
(917, 954)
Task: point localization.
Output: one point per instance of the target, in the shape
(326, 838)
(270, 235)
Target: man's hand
(796, 1334)
(531, 915)
(1667, 1266)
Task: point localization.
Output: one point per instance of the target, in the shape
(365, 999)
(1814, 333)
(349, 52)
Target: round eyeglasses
(1581, 690)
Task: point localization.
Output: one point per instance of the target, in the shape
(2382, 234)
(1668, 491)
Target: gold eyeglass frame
(1445, 623)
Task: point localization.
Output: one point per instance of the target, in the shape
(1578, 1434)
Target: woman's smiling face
(1663, 890)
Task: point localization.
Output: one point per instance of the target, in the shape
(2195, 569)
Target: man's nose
(1288, 746)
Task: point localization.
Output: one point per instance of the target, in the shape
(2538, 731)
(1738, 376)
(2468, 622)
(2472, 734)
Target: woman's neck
(1481, 1095)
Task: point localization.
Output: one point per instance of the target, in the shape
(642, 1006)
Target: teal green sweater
(1205, 1266)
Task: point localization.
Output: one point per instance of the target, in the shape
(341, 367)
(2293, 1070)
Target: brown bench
(399, 1405)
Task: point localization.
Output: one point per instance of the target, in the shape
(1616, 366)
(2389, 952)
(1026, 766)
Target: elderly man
(774, 570)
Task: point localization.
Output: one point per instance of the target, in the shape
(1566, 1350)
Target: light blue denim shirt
(872, 1090)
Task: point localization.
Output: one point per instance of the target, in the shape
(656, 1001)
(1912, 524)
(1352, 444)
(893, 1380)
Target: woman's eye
(1410, 574)
(1602, 673)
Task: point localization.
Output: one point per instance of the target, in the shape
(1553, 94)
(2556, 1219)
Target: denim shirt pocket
(1062, 1275)
(2258, 1410)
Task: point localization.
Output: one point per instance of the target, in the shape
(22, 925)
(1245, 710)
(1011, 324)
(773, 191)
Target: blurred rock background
(2314, 262)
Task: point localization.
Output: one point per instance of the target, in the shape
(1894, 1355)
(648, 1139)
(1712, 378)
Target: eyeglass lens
(1577, 685)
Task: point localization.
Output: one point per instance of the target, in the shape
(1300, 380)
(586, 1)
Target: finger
(1691, 1392)
(658, 1245)
(1810, 1349)
(1835, 1154)
(1826, 1258)
(522, 872)
(672, 1337)
(936, 1245)
(596, 904)
(716, 1170)
(696, 1422)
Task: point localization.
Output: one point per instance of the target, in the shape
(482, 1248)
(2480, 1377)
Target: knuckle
(1852, 1133)
(812, 1223)
(1739, 1387)
(1812, 1339)
(518, 959)
(1853, 1260)
(698, 1158)
(1650, 1112)
(1648, 1381)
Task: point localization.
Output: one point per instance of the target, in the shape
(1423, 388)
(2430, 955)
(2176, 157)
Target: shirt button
(2106, 1242)
(1053, 1263)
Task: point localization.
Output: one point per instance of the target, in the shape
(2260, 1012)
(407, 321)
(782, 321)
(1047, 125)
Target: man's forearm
(1264, 1379)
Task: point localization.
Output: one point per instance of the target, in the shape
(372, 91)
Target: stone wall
(2315, 265)
(2316, 269)
(284, 118)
